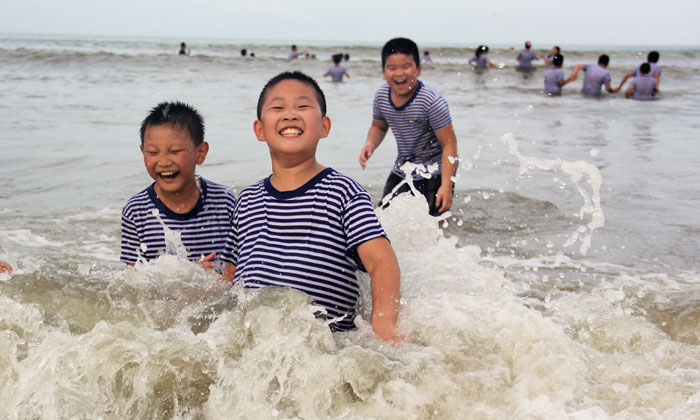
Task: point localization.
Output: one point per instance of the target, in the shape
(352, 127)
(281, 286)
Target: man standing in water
(597, 75)
(526, 56)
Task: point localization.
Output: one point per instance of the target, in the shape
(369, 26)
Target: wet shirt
(202, 231)
(644, 87)
(480, 61)
(596, 77)
(525, 58)
(305, 239)
(552, 79)
(336, 73)
(414, 125)
(655, 68)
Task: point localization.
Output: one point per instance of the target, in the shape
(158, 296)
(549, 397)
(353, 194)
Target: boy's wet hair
(603, 59)
(653, 57)
(400, 46)
(481, 49)
(178, 115)
(292, 75)
(558, 60)
(645, 68)
(337, 58)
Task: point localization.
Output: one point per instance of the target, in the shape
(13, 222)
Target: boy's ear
(419, 70)
(202, 152)
(325, 126)
(258, 129)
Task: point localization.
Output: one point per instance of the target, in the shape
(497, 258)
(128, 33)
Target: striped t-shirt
(305, 239)
(202, 231)
(414, 125)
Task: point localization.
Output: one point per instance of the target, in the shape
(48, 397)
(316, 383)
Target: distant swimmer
(481, 58)
(655, 69)
(526, 56)
(643, 86)
(554, 79)
(5, 267)
(597, 75)
(183, 49)
(337, 71)
(426, 57)
(294, 54)
(346, 57)
(244, 52)
(548, 59)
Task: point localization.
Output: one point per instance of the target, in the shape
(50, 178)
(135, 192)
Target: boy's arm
(448, 140)
(385, 279)
(610, 89)
(657, 76)
(624, 79)
(570, 79)
(229, 273)
(628, 92)
(374, 138)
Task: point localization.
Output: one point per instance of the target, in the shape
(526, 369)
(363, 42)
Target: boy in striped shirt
(420, 120)
(306, 226)
(179, 202)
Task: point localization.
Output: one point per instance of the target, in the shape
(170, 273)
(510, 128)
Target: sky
(428, 22)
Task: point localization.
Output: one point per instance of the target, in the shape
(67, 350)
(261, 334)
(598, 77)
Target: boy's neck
(181, 202)
(289, 178)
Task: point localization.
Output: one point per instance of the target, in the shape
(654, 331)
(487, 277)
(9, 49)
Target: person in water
(554, 79)
(481, 58)
(550, 57)
(172, 144)
(642, 87)
(337, 71)
(526, 56)
(597, 76)
(419, 118)
(183, 49)
(307, 226)
(654, 69)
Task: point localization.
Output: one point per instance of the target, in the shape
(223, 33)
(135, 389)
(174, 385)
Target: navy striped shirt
(414, 125)
(203, 230)
(305, 239)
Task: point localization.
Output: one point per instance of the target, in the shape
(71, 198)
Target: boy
(654, 69)
(420, 120)
(306, 226)
(597, 75)
(172, 143)
(337, 71)
(554, 79)
(643, 86)
(526, 56)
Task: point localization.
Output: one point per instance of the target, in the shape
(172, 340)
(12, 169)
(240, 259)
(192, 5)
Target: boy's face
(401, 73)
(291, 121)
(171, 157)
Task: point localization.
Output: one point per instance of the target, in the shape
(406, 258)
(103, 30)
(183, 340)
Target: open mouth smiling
(169, 175)
(291, 132)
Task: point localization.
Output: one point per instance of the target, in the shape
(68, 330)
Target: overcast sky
(583, 22)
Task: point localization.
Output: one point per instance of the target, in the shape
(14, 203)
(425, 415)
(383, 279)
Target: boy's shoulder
(328, 180)
(138, 201)
(215, 189)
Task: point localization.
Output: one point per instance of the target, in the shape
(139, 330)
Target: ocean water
(563, 285)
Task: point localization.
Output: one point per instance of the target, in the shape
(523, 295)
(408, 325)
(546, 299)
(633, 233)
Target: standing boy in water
(337, 71)
(597, 75)
(420, 120)
(172, 143)
(526, 56)
(643, 86)
(654, 69)
(306, 226)
(554, 79)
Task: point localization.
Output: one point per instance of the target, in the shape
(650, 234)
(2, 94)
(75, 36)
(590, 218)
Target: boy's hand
(206, 262)
(443, 198)
(385, 329)
(5, 267)
(366, 153)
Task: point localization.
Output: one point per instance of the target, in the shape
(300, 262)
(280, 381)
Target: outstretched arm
(624, 79)
(385, 279)
(448, 140)
(610, 89)
(628, 92)
(374, 138)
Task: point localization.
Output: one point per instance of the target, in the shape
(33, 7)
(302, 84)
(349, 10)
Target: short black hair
(645, 68)
(292, 75)
(556, 47)
(481, 49)
(400, 46)
(337, 58)
(178, 115)
(653, 57)
(558, 60)
(603, 59)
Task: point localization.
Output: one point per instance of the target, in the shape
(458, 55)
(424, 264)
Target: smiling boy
(420, 121)
(172, 144)
(306, 226)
